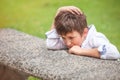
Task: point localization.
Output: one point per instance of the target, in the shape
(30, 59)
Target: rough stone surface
(29, 54)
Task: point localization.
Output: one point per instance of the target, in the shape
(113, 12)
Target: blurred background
(35, 17)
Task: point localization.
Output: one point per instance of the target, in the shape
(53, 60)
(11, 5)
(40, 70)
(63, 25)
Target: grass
(35, 16)
(33, 78)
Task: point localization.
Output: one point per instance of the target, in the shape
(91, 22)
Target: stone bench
(26, 55)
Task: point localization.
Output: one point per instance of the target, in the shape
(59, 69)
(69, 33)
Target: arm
(108, 51)
(105, 48)
(100, 48)
(53, 40)
(84, 52)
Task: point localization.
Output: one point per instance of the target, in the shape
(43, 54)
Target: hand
(71, 9)
(84, 52)
(75, 50)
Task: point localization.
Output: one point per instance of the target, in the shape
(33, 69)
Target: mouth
(69, 47)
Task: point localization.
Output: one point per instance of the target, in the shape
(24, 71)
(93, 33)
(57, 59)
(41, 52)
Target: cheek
(77, 41)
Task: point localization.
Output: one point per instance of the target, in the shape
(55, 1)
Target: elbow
(117, 56)
(50, 46)
(54, 44)
(109, 52)
(111, 56)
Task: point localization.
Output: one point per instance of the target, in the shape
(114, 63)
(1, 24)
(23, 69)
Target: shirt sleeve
(105, 48)
(54, 41)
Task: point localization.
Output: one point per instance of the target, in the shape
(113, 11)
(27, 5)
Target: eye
(71, 38)
(63, 38)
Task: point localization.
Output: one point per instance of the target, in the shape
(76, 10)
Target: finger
(71, 9)
(69, 51)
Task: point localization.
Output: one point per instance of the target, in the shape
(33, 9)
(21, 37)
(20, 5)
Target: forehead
(70, 34)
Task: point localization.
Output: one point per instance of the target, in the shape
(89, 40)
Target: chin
(69, 47)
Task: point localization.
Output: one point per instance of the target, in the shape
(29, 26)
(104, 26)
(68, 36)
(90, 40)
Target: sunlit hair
(69, 19)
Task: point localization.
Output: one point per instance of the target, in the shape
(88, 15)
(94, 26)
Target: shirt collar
(92, 31)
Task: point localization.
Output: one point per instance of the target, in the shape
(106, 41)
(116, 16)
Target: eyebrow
(69, 36)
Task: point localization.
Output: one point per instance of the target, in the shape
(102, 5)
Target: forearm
(53, 40)
(90, 52)
(84, 52)
(55, 44)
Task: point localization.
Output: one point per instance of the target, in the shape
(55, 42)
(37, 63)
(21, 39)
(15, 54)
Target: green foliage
(33, 78)
(35, 16)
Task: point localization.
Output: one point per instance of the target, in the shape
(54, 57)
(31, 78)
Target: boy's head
(69, 18)
(70, 23)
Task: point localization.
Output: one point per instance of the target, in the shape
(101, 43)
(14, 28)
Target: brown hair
(67, 21)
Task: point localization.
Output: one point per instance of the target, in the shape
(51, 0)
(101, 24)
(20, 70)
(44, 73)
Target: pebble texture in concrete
(29, 54)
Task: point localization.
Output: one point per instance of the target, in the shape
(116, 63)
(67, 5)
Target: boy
(70, 30)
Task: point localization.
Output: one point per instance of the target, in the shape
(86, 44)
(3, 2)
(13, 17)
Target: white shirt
(94, 39)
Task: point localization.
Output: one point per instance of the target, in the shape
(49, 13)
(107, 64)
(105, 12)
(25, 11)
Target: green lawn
(35, 16)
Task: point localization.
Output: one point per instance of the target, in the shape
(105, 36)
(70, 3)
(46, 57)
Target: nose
(68, 44)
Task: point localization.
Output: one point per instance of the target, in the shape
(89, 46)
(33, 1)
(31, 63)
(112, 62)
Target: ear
(85, 32)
